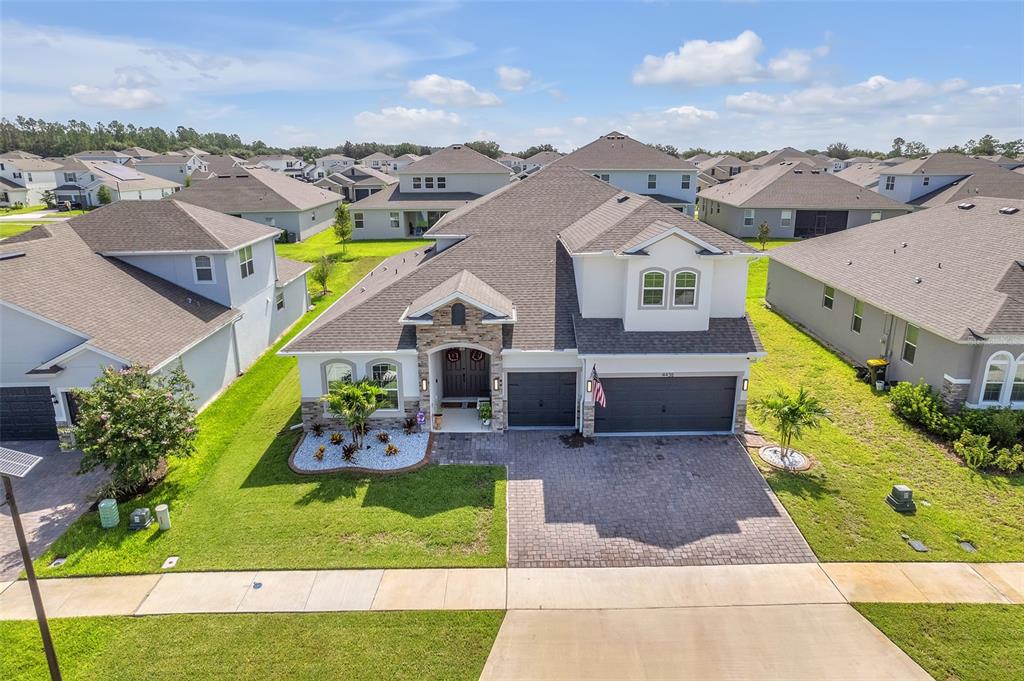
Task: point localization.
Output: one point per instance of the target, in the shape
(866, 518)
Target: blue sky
(740, 75)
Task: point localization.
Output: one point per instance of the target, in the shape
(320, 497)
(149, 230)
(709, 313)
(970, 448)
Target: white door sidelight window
(203, 268)
(245, 262)
(910, 344)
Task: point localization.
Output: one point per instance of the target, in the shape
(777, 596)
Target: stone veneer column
(588, 418)
(740, 422)
(954, 395)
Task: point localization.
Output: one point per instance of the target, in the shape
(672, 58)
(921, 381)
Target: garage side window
(653, 289)
(385, 374)
(684, 288)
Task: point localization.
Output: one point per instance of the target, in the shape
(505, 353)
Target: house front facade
(912, 292)
(25, 180)
(532, 296)
(176, 168)
(913, 179)
(79, 181)
(160, 284)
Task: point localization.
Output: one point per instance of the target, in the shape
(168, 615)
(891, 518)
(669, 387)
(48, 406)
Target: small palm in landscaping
(791, 415)
(355, 402)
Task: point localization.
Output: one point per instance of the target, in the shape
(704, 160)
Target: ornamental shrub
(922, 406)
(1010, 459)
(974, 449)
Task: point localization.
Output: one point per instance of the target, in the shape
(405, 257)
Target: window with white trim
(653, 293)
(69, 177)
(337, 373)
(786, 218)
(385, 374)
(890, 182)
(876, 215)
(909, 353)
(927, 181)
(858, 316)
(245, 262)
(417, 183)
(279, 300)
(684, 289)
(1017, 391)
(828, 298)
(685, 184)
(442, 182)
(357, 220)
(428, 182)
(996, 371)
(652, 181)
(203, 265)
(748, 217)
(395, 222)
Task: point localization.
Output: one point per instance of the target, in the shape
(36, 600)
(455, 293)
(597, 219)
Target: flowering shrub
(130, 420)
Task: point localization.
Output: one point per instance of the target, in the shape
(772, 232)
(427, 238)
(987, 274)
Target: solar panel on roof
(16, 464)
(123, 173)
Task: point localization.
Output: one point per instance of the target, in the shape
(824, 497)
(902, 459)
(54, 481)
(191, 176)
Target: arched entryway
(465, 373)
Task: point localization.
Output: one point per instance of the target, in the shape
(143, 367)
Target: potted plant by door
(485, 412)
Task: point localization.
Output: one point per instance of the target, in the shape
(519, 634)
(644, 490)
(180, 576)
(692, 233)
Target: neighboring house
(426, 190)
(723, 168)
(357, 182)
(221, 165)
(541, 159)
(525, 293)
(911, 180)
(325, 165)
(378, 161)
(513, 163)
(938, 293)
(18, 153)
(994, 182)
(866, 174)
(699, 158)
(280, 163)
(795, 200)
(267, 197)
(636, 167)
(192, 151)
(107, 155)
(24, 179)
(157, 283)
(1004, 161)
(786, 154)
(79, 181)
(139, 152)
(402, 161)
(177, 167)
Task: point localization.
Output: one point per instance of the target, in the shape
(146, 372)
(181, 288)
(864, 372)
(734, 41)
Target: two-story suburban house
(23, 180)
(640, 168)
(334, 162)
(267, 197)
(356, 182)
(191, 151)
(785, 155)
(426, 191)
(402, 161)
(993, 182)
(866, 173)
(280, 163)
(530, 296)
(909, 181)
(176, 167)
(79, 182)
(541, 159)
(139, 152)
(107, 155)
(515, 164)
(795, 200)
(152, 283)
(378, 160)
(724, 167)
(938, 293)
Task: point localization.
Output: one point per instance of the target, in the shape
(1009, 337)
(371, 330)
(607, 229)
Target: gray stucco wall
(730, 219)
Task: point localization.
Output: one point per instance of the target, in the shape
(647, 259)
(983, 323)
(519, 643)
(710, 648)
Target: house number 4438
(669, 375)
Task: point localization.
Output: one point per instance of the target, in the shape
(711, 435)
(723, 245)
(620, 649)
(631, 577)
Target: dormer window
(458, 314)
(684, 289)
(653, 289)
(203, 268)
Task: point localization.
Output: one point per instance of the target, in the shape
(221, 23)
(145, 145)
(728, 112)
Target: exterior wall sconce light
(746, 383)
(423, 385)
(590, 385)
(496, 384)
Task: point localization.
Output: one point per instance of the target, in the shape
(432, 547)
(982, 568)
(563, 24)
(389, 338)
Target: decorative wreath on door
(476, 355)
(453, 355)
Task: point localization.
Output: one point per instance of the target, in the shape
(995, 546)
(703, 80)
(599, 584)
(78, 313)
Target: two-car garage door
(666, 405)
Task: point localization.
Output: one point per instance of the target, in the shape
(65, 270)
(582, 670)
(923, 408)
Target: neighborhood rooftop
(993, 182)
(942, 163)
(616, 151)
(457, 158)
(392, 197)
(955, 270)
(255, 190)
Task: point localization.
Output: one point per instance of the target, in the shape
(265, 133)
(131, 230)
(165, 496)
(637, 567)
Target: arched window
(996, 372)
(385, 374)
(684, 288)
(1017, 391)
(337, 373)
(458, 314)
(652, 292)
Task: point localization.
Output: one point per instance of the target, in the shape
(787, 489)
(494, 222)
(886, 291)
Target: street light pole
(33, 586)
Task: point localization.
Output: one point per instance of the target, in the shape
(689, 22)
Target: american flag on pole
(599, 397)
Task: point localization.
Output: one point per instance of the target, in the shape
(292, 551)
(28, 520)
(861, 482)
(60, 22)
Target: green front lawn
(236, 504)
(13, 228)
(20, 211)
(861, 453)
(966, 642)
(350, 645)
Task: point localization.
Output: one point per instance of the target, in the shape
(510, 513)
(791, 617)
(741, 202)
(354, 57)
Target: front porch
(461, 387)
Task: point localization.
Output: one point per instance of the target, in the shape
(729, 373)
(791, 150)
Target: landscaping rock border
(357, 470)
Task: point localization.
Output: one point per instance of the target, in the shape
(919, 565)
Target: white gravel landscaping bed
(412, 449)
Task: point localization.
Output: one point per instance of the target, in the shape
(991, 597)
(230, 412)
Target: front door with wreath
(466, 373)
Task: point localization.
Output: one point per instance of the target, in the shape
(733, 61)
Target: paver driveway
(631, 501)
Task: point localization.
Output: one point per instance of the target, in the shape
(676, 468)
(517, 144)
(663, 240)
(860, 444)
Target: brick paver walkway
(627, 502)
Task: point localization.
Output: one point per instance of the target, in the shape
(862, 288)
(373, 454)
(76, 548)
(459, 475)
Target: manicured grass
(19, 211)
(351, 645)
(12, 228)
(966, 642)
(861, 453)
(757, 278)
(235, 504)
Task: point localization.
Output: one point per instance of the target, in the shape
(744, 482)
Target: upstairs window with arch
(652, 293)
(1004, 379)
(336, 374)
(458, 314)
(684, 288)
(385, 374)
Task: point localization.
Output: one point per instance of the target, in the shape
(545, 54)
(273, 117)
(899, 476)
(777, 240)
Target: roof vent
(903, 245)
(917, 280)
(849, 262)
(622, 199)
(1009, 210)
(966, 205)
(798, 172)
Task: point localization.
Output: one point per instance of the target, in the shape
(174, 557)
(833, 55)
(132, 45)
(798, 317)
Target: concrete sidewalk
(520, 589)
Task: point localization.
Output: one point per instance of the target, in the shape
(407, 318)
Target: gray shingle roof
(167, 225)
(121, 309)
(18, 153)
(796, 186)
(139, 152)
(941, 163)
(257, 190)
(608, 337)
(542, 158)
(978, 250)
(457, 158)
(391, 197)
(863, 174)
(467, 287)
(103, 153)
(784, 154)
(160, 159)
(289, 270)
(995, 182)
(378, 156)
(726, 160)
(616, 151)
(30, 164)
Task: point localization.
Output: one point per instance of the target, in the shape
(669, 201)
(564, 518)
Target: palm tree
(791, 415)
(355, 402)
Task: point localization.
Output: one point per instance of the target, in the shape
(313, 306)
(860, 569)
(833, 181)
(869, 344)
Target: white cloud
(116, 97)
(445, 91)
(874, 93)
(399, 123)
(513, 79)
(689, 115)
(580, 120)
(656, 124)
(557, 94)
(703, 62)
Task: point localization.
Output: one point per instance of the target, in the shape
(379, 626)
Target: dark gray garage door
(542, 399)
(26, 414)
(666, 405)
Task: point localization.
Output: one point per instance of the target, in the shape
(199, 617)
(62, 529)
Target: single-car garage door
(542, 399)
(666, 405)
(27, 414)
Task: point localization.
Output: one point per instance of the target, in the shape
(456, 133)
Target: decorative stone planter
(413, 453)
(793, 462)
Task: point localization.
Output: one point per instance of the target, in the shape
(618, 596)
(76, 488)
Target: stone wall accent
(313, 412)
(474, 332)
(588, 419)
(739, 423)
(954, 395)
